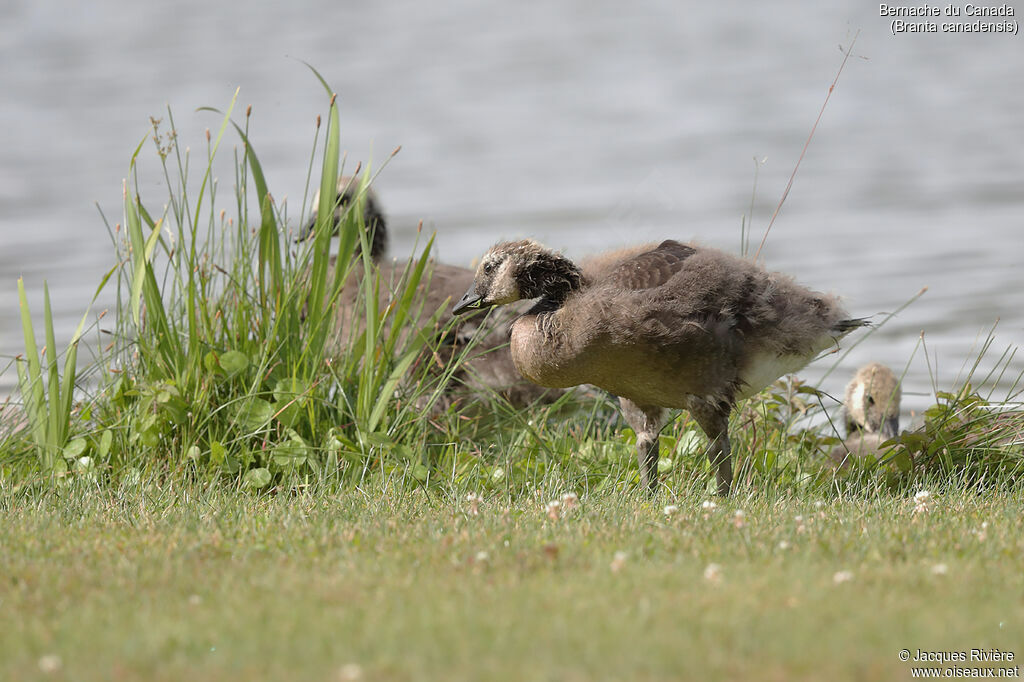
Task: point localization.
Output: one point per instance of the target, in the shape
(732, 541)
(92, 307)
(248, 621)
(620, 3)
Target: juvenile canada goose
(871, 413)
(665, 326)
(489, 366)
(348, 193)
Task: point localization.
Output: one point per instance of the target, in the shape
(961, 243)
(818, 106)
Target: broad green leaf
(256, 479)
(290, 396)
(419, 472)
(292, 452)
(131, 476)
(234, 362)
(212, 364)
(217, 452)
(254, 413)
(288, 414)
(75, 448)
(291, 389)
(103, 449)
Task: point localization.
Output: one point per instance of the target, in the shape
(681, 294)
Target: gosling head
(373, 217)
(873, 402)
(512, 271)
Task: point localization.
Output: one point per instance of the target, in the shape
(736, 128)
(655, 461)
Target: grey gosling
(664, 326)
(871, 414)
(489, 366)
(348, 193)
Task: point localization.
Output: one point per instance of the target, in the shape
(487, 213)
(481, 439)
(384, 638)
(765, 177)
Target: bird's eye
(488, 268)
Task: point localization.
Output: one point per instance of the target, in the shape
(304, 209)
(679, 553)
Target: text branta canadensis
(871, 413)
(489, 366)
(663, 326)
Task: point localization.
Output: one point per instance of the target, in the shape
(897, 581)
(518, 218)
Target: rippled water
(585, 125)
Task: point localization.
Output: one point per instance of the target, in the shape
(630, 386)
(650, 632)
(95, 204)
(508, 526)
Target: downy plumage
(871, 414)
(661, 326)
(488, 367)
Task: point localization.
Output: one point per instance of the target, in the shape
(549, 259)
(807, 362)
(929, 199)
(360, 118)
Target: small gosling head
(348, 191)
(511, 271)
(873, 402)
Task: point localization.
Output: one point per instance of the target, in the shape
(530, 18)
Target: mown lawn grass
(393, 583)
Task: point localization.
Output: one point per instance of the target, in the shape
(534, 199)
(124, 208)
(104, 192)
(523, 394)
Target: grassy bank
(223, 361)
(229, 490)
(383, 583)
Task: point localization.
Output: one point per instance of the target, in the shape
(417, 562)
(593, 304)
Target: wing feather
(651, 268)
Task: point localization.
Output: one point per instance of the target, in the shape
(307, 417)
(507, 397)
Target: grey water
(585, 125)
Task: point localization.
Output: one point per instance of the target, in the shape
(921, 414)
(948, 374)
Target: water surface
(585, 125)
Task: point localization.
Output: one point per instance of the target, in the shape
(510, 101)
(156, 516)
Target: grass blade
(32, 381)
(325, 219)
(56, 427)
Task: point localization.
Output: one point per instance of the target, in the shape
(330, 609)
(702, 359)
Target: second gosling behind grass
(667, 326)
(871, 414)
(487, 368)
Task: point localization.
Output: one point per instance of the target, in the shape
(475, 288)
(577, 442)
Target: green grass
(220, 362)
(225, 493)
(175, 582)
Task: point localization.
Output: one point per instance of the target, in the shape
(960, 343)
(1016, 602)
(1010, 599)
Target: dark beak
(307, 229)
(471, 301)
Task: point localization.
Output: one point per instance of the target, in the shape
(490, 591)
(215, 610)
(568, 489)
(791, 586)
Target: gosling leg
(713, 418)
(647, 423)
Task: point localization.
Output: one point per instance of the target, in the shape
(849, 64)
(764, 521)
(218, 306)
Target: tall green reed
(46, 394)
(226, 361)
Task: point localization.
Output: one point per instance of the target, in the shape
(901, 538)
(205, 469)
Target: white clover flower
(671, 509)
(739, 518)
(553, 509)
(784, 545)
(841, 577)
(708, 505)
(618, 561)
(350, 672)
(713, 573)
(922, 501)
(940, 569)
(569, 501)
(50, 664)
(474, 501)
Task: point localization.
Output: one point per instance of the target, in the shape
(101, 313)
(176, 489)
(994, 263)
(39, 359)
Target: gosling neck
(551, 278)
